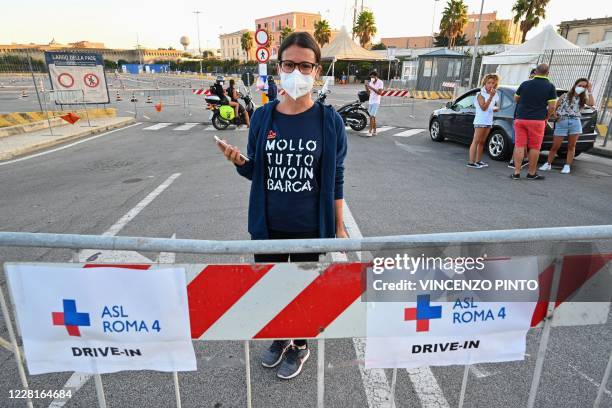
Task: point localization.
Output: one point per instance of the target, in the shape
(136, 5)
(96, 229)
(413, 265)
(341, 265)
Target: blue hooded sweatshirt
(332, 169)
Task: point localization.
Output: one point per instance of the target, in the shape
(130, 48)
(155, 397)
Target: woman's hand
(232, 153)
(341, 232)
(589, 87)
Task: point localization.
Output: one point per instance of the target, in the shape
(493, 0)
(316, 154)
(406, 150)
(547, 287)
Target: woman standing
(568, 124)
(486, 100)
(296, 152)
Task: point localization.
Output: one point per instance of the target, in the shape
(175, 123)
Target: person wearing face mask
(375, 88)
(296, 150)
(567, 115)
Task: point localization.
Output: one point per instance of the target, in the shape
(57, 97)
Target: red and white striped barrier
(449, 84)
(201, 91)
(404, 93)
(288, 300)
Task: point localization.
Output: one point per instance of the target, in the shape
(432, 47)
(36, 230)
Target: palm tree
(322, 32)
(285, 33)
(365, 28)
(246, 43)
(454, 18)
(530, 11)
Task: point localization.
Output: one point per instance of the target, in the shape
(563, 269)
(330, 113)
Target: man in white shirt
(375, 88)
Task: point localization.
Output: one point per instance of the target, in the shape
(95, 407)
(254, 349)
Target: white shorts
(373, 108)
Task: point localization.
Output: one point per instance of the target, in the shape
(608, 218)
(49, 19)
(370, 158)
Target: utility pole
(354, 19)
(433, 21)
(197, 13)
(476, 45)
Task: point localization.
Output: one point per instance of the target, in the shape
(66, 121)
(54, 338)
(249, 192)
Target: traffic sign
(261, 37)
(91, 80)
(262, 54)
(65, 79)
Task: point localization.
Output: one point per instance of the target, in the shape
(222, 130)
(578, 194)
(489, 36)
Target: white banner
(82, 73)
(459, 330)
(102, 320)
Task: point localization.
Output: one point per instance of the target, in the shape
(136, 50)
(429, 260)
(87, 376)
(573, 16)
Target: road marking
(77, 380)
(380, 129)
(426, 387)
(68, 145)
(375, 381)
(186, 126)
(209, 127)
(376, 387)
(140, 206)
(589, 379)
(146, 117)
(409, 132)
(157, 126)
(479, 372)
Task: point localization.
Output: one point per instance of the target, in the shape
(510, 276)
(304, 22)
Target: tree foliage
(497, 33)
(365, 27)
(322, 32)
(454, 18)
(529, 13)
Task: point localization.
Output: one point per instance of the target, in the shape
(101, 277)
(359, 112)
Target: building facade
(588, 31)
(140, 55)
(514, 30)
(231, 46)
(297, 21)
(423, 41)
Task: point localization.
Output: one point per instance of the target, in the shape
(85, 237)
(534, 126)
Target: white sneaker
(566, 169)
(545, 167)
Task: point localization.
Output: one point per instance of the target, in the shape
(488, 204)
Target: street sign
(69, 71)
(262, 54)
(261, 37)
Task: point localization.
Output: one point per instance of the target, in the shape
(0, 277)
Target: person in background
(232, 93)
(343, 78)
(525, 161)
(532, 73)
(374, 87)
(535, 100)
(272, 89)
(487, 102)
(296, 151)
(568, 124)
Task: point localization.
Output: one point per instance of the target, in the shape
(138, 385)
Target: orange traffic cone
(119, 97)
(24, 94)
(158, 107)
(70, 117)
(149, 99)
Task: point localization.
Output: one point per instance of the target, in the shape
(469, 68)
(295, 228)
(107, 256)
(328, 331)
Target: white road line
(375, 381)
(67, 146)
(209, 127)
(77, 380)
(140, 206)
(426, 387)
(409, 132)
(186, 126)
(589, 379)
(380, 129)
(375, 385)
(157, 126)
(479, 372)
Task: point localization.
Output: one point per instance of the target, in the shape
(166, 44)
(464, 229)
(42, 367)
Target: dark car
(455, 122)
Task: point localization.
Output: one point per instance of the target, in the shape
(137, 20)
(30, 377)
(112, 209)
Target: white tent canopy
(344, 48)
(514, 65)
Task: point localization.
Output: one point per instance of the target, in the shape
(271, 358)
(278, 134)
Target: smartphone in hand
(224, 145)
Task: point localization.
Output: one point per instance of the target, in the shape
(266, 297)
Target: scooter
(220, 110)
(353, 113)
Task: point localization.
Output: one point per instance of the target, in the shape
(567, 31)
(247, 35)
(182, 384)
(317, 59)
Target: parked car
(455, 122)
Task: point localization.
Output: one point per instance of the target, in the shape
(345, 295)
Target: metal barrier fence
(77, 242)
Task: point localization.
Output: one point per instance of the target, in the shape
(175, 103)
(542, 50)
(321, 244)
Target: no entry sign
(262, 54)
(82, 72)
(261, 37)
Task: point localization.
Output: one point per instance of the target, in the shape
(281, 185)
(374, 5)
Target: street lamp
(197, 13)
(476, 45)
(433, 21)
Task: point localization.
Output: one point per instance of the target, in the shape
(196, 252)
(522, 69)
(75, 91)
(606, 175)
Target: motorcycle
(221, 110)
(353, 113)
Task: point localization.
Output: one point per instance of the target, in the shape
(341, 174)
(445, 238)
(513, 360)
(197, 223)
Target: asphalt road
(394, 185)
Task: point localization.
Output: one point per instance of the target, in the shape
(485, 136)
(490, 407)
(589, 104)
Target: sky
(120, 23)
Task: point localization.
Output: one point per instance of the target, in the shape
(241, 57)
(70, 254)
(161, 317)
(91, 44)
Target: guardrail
(77, 242)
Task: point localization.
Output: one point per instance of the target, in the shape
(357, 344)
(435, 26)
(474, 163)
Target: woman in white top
(487, 100)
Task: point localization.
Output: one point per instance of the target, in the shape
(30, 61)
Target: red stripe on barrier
(577, 269)
(125, 266)
(216, 289)
(541, 308)
(319, 304)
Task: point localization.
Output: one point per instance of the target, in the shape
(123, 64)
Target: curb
(63, 139)
(599, 151)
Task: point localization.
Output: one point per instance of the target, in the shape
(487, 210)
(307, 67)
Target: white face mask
(579, 90)
(296, 84)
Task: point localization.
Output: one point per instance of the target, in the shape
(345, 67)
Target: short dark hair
(232, 82)
(542, 69)
(374, 73)
(303, 40)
